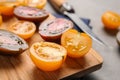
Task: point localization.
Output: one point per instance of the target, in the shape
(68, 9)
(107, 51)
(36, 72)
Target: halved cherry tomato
(6, 8)
(0, 19)
(11, 44)
(111, 20)
(34, 3)
(76, 43)
(47, 56)
(30, 13)
(24, 29)
(51, 30)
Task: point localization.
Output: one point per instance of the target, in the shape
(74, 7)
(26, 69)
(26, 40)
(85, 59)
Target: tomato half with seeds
(30, 13)
(24, 29)
(11, 44)
(77, 44)
(47, 56)
(111, 20)
(51, 30)
(34, 3)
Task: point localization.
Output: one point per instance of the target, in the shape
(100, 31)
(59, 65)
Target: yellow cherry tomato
(6, 8)
(76, 43)
(34, 3)
(24, 29)
(47, 56)
(111, 20)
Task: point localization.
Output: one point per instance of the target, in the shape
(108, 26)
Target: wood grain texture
(22, 68)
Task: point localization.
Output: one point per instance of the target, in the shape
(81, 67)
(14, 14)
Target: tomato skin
(24, 29)
(77, 44)
(6, 10)
(47, 63)
(1, 20)
(111, 20)
(42, 65)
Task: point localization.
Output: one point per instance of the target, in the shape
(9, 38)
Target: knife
(66, 9)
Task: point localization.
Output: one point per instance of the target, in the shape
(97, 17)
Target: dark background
(93, 10)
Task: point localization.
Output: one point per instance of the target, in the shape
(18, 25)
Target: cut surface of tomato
(30, 13)
(37, 3)
(51, 30)
(47, 56)
(76, 43)
(34, 3)
(11, 44)
(24, 29)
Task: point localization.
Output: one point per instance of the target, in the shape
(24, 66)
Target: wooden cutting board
(22, 68)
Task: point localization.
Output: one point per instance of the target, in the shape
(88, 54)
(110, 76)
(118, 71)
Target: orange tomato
(0, 19)
(47, 56)
(6, 8)
(34, 3)
(24, 29)
(76, 43)
(111, 20)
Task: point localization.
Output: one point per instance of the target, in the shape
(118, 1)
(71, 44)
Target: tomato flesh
(30, 13)
(77, 44)
(52, 30)
(11, 44)
(24, 29)
(47, 56)
(34, 3)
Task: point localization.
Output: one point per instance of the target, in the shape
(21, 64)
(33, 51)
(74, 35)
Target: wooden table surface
(93, 9)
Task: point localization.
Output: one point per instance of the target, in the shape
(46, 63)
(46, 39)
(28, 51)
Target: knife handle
(57, 4)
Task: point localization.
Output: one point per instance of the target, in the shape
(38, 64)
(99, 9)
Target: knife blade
(66, 9)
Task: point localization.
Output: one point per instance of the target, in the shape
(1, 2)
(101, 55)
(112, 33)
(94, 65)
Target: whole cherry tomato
(111, 20)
